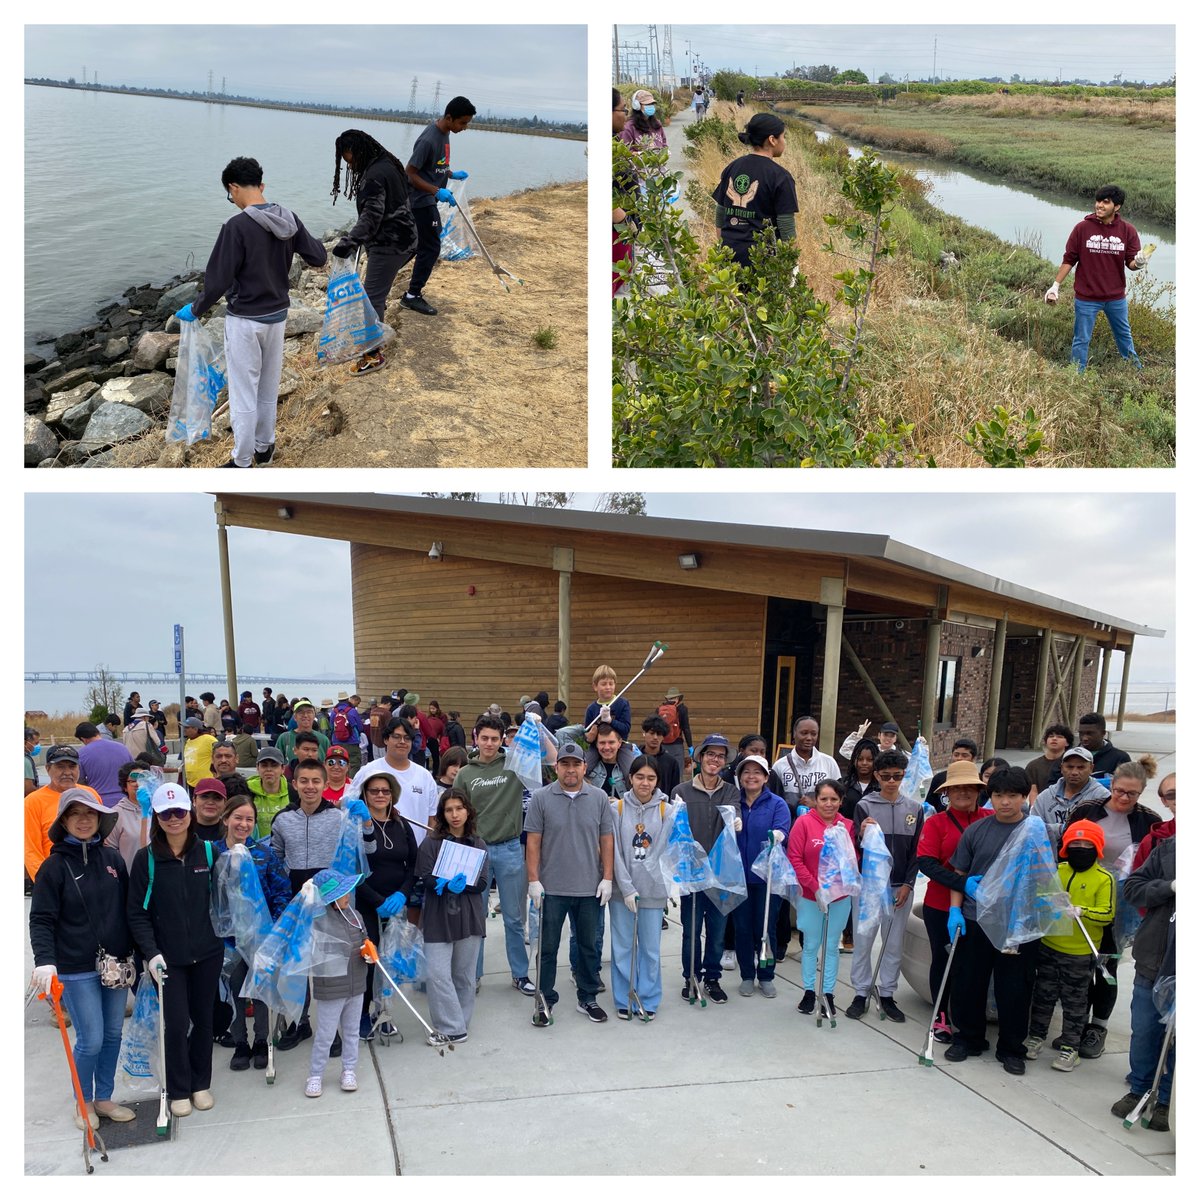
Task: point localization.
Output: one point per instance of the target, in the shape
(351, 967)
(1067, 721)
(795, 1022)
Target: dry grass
(1107, 108)
(462, 388)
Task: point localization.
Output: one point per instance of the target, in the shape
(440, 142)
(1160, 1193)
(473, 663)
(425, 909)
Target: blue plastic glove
(442, 884)
(392, 905)
(357, 809)
(459, 175)
(956, 923)
(446, 196)
(186, 314)
(972, 886)
(458, 884)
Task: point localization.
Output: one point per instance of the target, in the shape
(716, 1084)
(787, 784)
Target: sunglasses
(891, 776)
(379, 792)
(174, 814)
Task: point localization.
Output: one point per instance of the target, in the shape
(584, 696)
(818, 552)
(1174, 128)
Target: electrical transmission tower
(655, 77)
(667, 60)
(437, 92)
(222, 85)
(210, 75)
(412, 96)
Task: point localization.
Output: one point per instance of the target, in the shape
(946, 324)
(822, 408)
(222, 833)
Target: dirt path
(469, 387)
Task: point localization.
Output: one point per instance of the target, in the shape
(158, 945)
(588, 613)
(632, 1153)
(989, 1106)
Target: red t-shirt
(1099, 254)
(940, 836)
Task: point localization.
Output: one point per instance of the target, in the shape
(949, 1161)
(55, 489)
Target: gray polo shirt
(571, 829)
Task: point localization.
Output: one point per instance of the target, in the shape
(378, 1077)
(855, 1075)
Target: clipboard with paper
(454, 859)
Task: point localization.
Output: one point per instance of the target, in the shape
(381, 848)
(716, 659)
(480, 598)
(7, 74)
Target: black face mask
(1082, 858)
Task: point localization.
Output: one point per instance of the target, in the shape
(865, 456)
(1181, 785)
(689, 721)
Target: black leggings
(188, 999)
(939, 952)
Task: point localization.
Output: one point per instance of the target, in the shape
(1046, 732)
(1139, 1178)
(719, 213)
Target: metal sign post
(182, 684)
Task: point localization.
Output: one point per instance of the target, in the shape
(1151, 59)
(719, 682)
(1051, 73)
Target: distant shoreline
(284, 106)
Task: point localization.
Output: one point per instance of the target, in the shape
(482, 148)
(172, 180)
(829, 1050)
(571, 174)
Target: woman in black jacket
(392, 853)
(376, 181)
(170, 886)
(78, 912)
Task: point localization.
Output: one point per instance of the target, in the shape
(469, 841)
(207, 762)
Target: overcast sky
(146, 562)
(1087, 51)
(511, 70)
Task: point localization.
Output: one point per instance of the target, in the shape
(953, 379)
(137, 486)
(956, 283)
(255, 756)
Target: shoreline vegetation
(565, 130)
(960, 362)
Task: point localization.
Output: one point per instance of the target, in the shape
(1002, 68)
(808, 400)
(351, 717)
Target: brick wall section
(974, 678)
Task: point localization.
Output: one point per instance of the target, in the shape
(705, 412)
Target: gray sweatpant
(332, 1014)
(889, 969)
(450, 983)
(254, 362)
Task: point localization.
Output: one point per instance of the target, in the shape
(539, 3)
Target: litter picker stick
(823, 1011)
(163, 1125)
(656, 652)
(1152, 1090)
(542, 1015)
(926, 1059)
(636, 1007)
(372, 955)
(766, 956)
(91, 1139)
(497, 270)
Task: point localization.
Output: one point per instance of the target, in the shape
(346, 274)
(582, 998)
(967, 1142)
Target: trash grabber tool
(823, 1010)
(369, 952)
(542, 1016)
(1152, 1090)
(883, 941)
(163, 1125)
(91, 1139)
(636, 1007)
(656, 652)
(497, 270)
(695, 991)
(766, 953)
(275, 1025)
(926, 1059)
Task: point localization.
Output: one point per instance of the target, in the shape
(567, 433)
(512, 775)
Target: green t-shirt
(287, 744)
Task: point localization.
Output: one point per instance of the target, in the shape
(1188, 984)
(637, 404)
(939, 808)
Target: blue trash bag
(683, 863)
(199, 379)
(837, 867)
(725, 859)
(279, 974)
(238, 906)
(351, 326)
(137, 1063)
(918, 774)
(524, 757)
(783, 875)
(350, 855)
(402, 953)
(875, 898)
(1127, 920)
(1021, 897)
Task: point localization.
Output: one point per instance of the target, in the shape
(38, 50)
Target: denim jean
(1117, 312)
(583, 912)
(506, 865)
(648, 985)
(1145, 1043)
(573, 948)
(747, 921)
(810, 921)
(97, 1014)
(710, 937)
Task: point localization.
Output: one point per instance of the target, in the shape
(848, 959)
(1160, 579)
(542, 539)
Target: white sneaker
(349, 1081)
(436, 1039)
(181, 1108)
(728, 960)
(312, 1088)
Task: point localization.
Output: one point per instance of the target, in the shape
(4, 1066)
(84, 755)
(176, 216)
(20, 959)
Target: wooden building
(473, 603)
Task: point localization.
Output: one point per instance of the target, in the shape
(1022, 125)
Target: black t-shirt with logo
(753, 191)
(431, 160)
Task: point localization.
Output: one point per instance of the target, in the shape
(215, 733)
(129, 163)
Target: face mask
(36, 750)
(1081, 858)
(648, 110)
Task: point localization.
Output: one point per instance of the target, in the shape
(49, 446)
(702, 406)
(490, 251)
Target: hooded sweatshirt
(1099, 254)
(1150, 888)
(251, 260)
(804, 848)
(385, 220)
(268, 804)
(901, 825)
(307, 843)
(1094, 892)
(1158, 833)
(639, 837)
(1052, 805)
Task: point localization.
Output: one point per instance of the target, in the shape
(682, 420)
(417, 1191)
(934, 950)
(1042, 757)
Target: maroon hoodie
(1099, 254)
(1158, 833)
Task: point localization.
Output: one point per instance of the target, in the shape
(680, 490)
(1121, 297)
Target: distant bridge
(169, 677)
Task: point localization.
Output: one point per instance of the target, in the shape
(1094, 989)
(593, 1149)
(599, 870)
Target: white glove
(1076, 911)
(776, 837)
(1051, 296)
(737, 824)
(631, 902)
(1143, 256)
(604, 891)
(605, 714)
(536, 892)
(42, 977)
(1172, 887)
(157, 967)
(309, 889)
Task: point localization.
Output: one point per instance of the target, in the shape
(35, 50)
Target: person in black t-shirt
(755, 192)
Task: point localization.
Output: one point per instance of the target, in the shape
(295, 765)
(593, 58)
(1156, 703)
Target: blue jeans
(583, 912)
(1117, 312)
(1145, 1043)
(506, 865)
(648, 984)
(810, 920)
(747, 931)
(97, 1014)
(710, 936)
(573, 948)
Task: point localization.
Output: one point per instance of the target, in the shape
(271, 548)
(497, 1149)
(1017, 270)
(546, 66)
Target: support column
(1124, 687)
(993, 708)
(564, 564)
(1076, 681)
(227, 607)
(933, 653)
(1105, 661)
(833, 596)
(1039, 695)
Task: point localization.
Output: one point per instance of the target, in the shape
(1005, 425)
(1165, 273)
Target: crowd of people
(581, 843)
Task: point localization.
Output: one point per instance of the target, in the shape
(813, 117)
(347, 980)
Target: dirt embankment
(470, 387)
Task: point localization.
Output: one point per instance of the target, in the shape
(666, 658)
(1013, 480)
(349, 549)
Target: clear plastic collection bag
(199, 379)
(137, 1063)
(238, 906)
(1020, 896)
(918, 774)
(350, 855)
(684, 865)
(402, 953)
(783, 875)
(524, 757)
(1127, 920)
(725, 859)
(875, 897)
(837, 867)
(458, 241)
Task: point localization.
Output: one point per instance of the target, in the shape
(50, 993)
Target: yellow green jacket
(1094, 891)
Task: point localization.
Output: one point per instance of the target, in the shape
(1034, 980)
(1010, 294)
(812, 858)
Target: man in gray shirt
(569, 860)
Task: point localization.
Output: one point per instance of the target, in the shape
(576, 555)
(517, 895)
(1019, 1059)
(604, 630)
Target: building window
(946, 708)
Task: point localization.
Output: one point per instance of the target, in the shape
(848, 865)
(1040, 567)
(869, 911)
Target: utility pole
(210, 75)
(222, 85)
(935, 59)
(616, 57)
(412, 96)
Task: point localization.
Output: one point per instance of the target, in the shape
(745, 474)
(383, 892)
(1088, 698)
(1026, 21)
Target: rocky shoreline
(110, 381)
